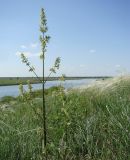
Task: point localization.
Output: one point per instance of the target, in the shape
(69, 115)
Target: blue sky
(92, 37)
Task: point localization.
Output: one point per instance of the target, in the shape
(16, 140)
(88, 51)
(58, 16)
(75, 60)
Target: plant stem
(44, 137)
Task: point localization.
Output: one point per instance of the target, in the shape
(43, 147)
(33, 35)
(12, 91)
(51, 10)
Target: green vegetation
(7, 81)
(56, 124)
(83, 124)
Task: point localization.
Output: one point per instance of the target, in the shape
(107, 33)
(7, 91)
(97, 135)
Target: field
(6, 81)
(92, 123)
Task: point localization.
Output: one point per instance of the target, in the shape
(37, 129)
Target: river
(14, 89)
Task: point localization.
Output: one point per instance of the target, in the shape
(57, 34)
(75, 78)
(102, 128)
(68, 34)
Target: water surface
(14, 90)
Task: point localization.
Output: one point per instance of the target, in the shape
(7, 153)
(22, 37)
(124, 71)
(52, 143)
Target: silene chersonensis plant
(44, 39)
(90, 123)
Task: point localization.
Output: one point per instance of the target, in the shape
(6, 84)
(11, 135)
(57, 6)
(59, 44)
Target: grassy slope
(88, 124)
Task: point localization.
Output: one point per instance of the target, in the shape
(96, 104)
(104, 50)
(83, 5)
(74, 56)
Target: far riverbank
(10, 81)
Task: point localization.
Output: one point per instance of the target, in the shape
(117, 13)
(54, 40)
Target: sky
(92, 37)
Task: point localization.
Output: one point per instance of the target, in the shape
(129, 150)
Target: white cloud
(34, 45)
(27, 54)
(82, 66)
(31, 46)
(117, 65)
(18, 53)
(92, 51)
(23, 46)
(36, 54)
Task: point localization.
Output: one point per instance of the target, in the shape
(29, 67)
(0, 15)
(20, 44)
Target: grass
(83, 124)
(7, 81)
